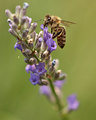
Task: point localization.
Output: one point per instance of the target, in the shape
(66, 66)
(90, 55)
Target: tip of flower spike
(26, 5)
(8, 13)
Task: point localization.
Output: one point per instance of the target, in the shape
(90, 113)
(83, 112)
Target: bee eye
(49, 18)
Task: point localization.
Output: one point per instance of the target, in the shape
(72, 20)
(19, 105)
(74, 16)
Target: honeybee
(54, 22)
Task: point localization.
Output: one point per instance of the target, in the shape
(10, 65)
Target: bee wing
(67, 23)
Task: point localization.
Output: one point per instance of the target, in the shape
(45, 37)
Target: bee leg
(51, 30)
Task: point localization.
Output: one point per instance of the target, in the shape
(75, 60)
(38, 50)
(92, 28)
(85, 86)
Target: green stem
(55, 95)
(58, 102)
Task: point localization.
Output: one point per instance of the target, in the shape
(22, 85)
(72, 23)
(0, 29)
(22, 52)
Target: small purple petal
(40, 39)
(40, 68)
(30, 68)
(34, 79)
(73, 103)
(48, 39)
(46, 34)
(30, 20)
(42, 26)
(27, 68)
(18, 46)
(46, 29)
(51, 45)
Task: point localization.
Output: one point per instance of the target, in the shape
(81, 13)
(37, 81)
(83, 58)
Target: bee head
(47, 20)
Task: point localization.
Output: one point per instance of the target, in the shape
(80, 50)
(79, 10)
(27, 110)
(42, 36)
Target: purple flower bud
(17, 11)
(34, 79)
(30, 68)
(25, 33)
(30, 43)
(62, 76)
(33, 35)
(14, 27)
(8, 13)
(59, 83)
(27, 23)
(42, 26)
(45, 55)
(10, 22)
(18, 46)
(40, 39)
(45, 90)
(27, 52)
(33, 27)
(12, 32)
(22, 12)
(73, 103)
(57, 63)
(26, 5)
(40, 33)
(26, 60)
(33, 60)
(44, 46)
(38, 44)
(16, 20)
(57, 74)
(23, 20)
(51, 69)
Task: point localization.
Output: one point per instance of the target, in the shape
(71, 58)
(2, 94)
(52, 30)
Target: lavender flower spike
(37, 49)
(73, 103)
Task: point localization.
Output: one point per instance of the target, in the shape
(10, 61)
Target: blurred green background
(19, 99)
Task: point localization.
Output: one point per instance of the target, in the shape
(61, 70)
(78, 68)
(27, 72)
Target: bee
(57, 30)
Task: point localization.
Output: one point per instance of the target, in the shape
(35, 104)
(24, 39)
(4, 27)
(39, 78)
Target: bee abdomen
(61, 39)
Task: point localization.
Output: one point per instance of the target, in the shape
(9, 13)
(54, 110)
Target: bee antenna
(38, 20)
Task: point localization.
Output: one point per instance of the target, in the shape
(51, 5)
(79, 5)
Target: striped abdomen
(61, 38)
